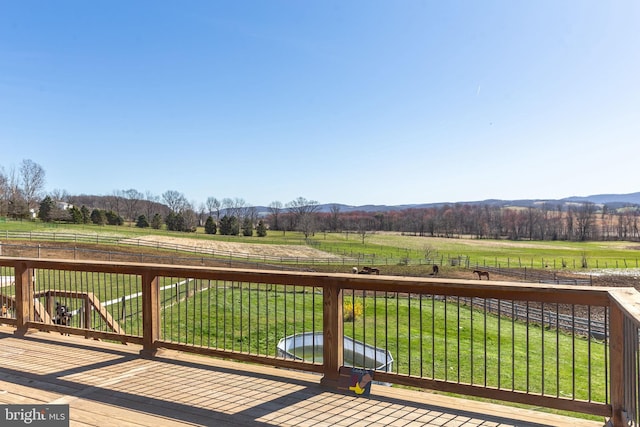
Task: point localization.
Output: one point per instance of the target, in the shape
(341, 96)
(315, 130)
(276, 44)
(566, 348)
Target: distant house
(64, 205)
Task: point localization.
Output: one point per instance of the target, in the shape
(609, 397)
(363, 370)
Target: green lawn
(426, 337)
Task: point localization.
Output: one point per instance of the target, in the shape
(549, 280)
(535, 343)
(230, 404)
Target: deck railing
(571, 348)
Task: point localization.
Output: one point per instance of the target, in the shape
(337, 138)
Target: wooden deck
(110, 385)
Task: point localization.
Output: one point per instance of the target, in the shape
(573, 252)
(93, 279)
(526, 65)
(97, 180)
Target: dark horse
(436, 270)
(481, 273)
(369, 270)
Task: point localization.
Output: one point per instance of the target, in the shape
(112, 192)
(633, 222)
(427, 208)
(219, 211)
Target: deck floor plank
(110, 384)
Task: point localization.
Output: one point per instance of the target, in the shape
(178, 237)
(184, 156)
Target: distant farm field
(373, 248)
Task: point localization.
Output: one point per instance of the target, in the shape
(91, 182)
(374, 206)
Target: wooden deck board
(109, 384)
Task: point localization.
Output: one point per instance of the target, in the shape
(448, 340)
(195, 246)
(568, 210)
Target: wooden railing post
(50, 304)
(24, 296)
(333, 340)
(150, 314)
(616, 351)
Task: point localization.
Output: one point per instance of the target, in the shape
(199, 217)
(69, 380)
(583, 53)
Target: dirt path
(237, 249)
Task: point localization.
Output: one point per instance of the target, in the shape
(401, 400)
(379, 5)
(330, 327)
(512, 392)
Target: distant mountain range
(613, 201)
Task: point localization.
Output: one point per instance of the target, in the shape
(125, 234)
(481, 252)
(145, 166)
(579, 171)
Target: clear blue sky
(355, 102)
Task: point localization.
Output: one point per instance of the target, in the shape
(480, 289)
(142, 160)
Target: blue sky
(355, 102)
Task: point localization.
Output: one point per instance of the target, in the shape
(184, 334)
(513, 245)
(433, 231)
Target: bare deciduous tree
(175, 200)
(303, 211)
(363, 229)
(251, 212)
(58, 195)
(235, 207)
(131, 200)
(334, 223)
(585, 220)
(149, 203)
(227, 206)
(4, 193)
(32, 176)
(114, 202)
(275, 208)
(213, 205)
(190, 217)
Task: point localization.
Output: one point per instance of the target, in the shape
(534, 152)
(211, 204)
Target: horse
(369, 270)
(354, 270)
(436, 270)
(481, 273)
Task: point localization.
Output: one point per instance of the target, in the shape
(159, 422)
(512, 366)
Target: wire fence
(338, 256)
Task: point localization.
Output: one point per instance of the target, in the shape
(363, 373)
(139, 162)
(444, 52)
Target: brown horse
(481, 273)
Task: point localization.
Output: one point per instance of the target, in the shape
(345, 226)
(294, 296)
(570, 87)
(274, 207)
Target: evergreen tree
(156, 222)
(210, 226)
(247, 227)
(113, 218)
(176, 222)
(98, 217)
(261, 230)
(76, 215)
(229, 226)
(45, 213)
(142, 222)
(225, 228)
(86, 215)
(235, 226)
(171, 221)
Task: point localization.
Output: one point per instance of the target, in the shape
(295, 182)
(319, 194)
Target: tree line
(22, 196)
(577, 222)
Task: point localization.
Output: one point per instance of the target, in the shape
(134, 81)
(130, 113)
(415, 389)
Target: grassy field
(502, 253)
(426, 337)
(393, 248)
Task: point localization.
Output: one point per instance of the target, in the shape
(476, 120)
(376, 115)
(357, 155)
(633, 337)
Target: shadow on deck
(110, 384)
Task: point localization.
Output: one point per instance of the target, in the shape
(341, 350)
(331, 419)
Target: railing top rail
(628, 300)
(563, 294)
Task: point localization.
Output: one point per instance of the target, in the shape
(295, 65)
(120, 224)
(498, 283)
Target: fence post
(150, 314)
(332, 333)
